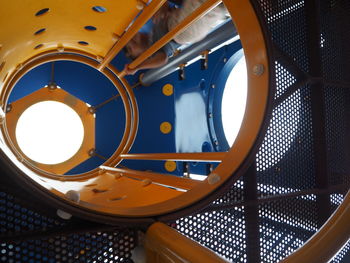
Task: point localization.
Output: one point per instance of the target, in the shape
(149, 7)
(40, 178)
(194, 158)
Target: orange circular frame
(113, 194)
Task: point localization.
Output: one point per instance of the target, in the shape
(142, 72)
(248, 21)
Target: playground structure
(146, 136)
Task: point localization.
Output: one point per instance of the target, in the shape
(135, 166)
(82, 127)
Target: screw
(19, 66)
(213, 178)
(60, 48)
(8, 107)
(92, 110)
(92, 152)
(258, 69)
(52, 86)
(139, 5)
(99, 59)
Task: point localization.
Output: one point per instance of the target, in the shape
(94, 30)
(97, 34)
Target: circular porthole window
(234, 100)
(228, 101)
(49, 132)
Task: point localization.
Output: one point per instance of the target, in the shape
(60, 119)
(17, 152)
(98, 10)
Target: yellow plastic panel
(64, 26)
(120, 193)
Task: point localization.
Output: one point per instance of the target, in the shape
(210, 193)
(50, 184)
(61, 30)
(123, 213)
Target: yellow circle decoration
(168, 89)
(166, 127)
(170, 166)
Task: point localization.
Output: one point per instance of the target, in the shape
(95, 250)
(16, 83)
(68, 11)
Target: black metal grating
(335, 32)
(336, 199)
(17, 219)
(221, 231)
(287, 25)
(235, 194)
(285, 225)
(29, 236)
(89, 247)
(343, 255)
(337, 101)
(286, 154)
(284, 79)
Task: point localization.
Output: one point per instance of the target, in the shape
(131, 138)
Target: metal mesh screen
(222, 231)
(337, 112)
(286, 154)
(284, 79)
(27, 236)
(287, 24)
(88, 247)
(335, 31)
(285, 225)
(16, 219)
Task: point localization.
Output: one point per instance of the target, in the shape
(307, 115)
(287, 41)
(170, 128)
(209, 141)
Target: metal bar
(188, 157)
(279, 197)
(165, 244)
(340, 84)
(164, 179)
(288, 62)
(52, 72)
(220, 35)
(106, 102)
(251, 214)
(77, 228)
(312, 9)
(146, 14)
(100, 156)
(197, 14)
(290, 90)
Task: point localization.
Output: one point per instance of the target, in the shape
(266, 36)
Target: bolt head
(258, 69)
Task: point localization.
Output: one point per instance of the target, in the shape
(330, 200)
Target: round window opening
(234, 100)
(49, 132)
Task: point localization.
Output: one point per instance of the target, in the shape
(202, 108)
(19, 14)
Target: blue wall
(187, 109)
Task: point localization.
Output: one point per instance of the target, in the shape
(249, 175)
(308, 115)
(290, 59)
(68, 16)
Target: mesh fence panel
(28, 228)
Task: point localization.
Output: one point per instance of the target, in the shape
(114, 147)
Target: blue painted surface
(193, 100)
(90, 86)
(187, 109)
(31, 82)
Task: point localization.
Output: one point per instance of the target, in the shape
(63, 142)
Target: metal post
(224, 33)
(318, 108)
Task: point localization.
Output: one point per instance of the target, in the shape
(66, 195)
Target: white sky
(49, 132)
(234, 101)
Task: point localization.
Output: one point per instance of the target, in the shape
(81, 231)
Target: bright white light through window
(234, 101)
(49, 132)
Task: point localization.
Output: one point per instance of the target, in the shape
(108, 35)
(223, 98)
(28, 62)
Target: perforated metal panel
(343, 255)
(335, 29)
(286, 154)
(16, 219)
(94, 247)
(337, 125)
(27, 236)
(285, 225)
(287, 23)
(284, 79)
(221, 231)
